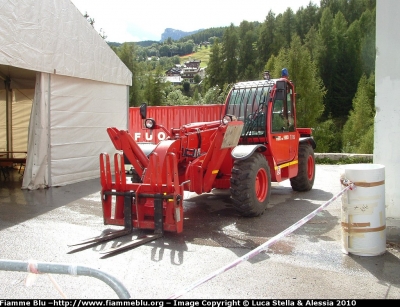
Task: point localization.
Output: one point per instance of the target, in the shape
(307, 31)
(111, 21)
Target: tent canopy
(61, 86)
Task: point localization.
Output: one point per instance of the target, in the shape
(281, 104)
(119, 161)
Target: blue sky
(128, 20)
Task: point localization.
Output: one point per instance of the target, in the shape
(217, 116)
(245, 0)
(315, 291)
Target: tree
(327, 62)
(349, 71)
(197, 79)
(368, 52)
(177, 98)
(211, 96)
(314, 44)
(188, 47)
(164, 50)
(247, 55)
(186, 87)
(176, 59)
(266, 40)
(214, 68)
(148, 89)
(309, 86)
(197, 99)
(328, 137)
(305, 19)
(340, 91)
(229, 55)
(157, 97)
(286, 27)
(358, 130)
(127, 55)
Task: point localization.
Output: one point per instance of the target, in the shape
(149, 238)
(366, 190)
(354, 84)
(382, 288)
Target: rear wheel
(304, 180)
(251, 185)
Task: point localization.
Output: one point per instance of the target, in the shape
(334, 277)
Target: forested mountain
(328, 49)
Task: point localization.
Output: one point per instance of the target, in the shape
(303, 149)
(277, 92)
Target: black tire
(135, 177)
(251, 185)
(304, 180)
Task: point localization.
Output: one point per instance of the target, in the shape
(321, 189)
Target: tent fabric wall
(80, 88)
(68, 123)
(21, 111)
(21, 104)
(36, 169)
(3, 120)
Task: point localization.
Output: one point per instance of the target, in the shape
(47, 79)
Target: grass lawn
(202, 54)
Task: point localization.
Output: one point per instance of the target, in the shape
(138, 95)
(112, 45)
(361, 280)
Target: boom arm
(203, 170)
(122, 140)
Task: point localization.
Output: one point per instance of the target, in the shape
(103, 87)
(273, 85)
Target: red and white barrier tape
(33, 271)
(348, 185)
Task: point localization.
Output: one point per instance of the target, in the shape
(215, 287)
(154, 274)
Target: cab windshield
(248, 102)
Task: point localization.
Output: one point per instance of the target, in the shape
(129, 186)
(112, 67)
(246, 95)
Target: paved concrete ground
(309, 263)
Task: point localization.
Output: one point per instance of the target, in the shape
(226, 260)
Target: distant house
(188, 73)
(185, 72)
(174, 71)
(193, 63)
(175, 80)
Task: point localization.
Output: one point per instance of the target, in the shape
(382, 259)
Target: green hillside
(202, 54)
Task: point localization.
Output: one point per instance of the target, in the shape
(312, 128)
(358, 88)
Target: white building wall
(387, 101)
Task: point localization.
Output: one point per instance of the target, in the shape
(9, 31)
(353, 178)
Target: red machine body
(171, 168)
(256, 142)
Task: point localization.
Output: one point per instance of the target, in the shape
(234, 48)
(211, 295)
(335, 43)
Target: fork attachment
(148, 205)
(90, 242)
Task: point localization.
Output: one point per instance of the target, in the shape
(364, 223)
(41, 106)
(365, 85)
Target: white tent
(61, 86)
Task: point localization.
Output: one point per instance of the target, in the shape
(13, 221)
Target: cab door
(282, 123)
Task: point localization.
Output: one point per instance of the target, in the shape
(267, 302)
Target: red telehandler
(255, 143)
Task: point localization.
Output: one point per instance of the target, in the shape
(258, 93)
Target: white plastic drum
(363, 210)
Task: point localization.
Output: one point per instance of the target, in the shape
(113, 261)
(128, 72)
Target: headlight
(228, 118)
(149, 123)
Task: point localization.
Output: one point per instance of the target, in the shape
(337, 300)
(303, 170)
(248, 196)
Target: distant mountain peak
(176, 34)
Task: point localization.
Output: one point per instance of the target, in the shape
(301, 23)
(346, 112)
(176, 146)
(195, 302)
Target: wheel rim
(310, 168)
(261, 185)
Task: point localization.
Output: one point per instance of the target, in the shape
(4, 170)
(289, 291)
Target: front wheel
(304, 180)
(251, 185)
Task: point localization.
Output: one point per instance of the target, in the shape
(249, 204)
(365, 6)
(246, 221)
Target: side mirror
(280, 85)
(143, 110)
(279, 95)
(280, 90)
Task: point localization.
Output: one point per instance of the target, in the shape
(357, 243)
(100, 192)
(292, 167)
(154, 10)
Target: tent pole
(7, 85)
(49, 179)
